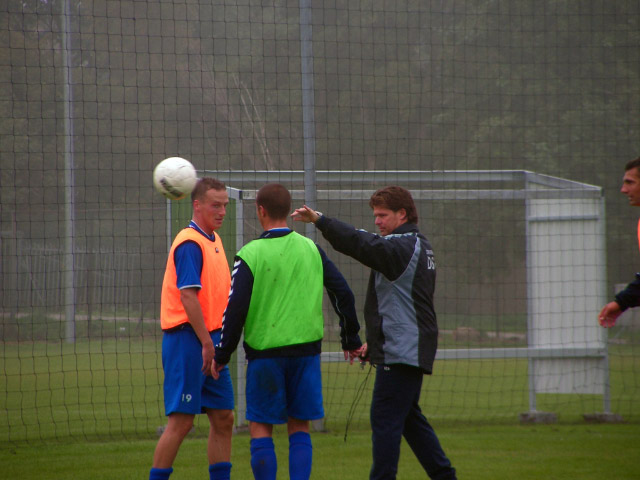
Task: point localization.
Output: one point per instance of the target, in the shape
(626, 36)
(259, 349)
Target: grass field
(112, 390)
(91, 410)
(585, 452)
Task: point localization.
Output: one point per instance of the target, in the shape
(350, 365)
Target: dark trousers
(395, 413)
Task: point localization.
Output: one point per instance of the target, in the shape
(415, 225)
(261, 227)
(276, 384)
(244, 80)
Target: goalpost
(565, 266)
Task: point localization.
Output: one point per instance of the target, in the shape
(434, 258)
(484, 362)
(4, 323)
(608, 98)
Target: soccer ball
(174, 177)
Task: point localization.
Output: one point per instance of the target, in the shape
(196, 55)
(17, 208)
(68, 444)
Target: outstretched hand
(305, 214)
(609, 314)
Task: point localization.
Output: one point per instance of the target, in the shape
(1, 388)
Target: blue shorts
(186, 388)
(283, 387)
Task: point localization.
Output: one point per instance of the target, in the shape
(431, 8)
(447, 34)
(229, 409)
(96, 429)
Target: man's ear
(403, 213)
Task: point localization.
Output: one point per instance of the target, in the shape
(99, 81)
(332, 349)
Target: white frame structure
(572, 356)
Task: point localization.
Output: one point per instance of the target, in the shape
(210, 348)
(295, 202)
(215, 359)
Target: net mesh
(94, 94)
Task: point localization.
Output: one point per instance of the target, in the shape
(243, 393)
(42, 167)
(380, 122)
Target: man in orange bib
(195, 291)
(630, 296)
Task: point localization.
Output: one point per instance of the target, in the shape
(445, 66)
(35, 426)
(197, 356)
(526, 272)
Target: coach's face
(387, 220)
(211, 209)
(631, 186)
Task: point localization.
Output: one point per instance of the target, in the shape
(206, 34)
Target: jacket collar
(406, 228)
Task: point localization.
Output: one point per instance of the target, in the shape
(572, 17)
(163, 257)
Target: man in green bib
(283, 332)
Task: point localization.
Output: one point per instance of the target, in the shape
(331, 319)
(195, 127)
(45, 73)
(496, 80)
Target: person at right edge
(630, 296)
(401, 327)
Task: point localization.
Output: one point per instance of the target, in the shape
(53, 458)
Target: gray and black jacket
(399, 313)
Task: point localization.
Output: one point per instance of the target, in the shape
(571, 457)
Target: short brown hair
(203, 185)
(395, 198)
(633, 164)
(275, 199)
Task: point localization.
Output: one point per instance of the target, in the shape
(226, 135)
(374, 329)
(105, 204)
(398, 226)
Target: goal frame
(552, 202)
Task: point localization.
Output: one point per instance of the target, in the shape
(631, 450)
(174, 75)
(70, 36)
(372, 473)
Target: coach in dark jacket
(402, 332)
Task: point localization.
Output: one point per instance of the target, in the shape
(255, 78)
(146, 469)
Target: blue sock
(263, 459)
(220, 471)
(300, 456)
(160, 473)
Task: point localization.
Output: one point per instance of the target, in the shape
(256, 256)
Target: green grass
(111, 389)
(585, 452)
(90, 410)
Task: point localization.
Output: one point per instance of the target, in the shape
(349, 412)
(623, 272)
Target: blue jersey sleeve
(188, 259)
